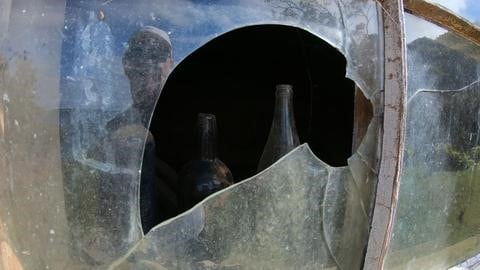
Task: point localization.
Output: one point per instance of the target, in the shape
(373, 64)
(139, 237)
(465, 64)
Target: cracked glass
(438, 220)
(74, 141)
(298, 210)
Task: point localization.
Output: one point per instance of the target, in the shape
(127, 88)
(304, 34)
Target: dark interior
(234, 77)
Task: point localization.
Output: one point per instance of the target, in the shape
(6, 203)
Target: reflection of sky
(418, 28)
(453, 5)
(470, 9)
(189, 23)
(88, 75)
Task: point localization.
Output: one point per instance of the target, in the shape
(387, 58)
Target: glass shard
(299, 211)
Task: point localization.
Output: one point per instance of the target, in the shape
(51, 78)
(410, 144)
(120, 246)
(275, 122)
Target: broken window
(73, 134)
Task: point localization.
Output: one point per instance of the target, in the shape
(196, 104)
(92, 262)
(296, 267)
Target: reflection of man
(147, 62)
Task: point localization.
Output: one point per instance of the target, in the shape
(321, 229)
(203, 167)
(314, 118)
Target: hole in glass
(234, 77)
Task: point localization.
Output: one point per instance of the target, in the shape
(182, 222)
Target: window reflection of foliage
(458, 159)
(475, 154)
(442, 194)
(360, 14)
(433, 65)
(363, 45)
(440, 205)
(305, 10)
(460, 44)
(439, 209)
(360, 11)
(366, 67)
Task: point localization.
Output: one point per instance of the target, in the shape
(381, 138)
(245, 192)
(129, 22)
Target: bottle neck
(207, 128)
(283, 118)
(283, 106)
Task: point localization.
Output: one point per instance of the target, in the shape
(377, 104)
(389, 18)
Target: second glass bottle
(283, 135)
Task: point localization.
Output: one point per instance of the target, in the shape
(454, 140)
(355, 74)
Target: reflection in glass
(300, 211)
(440, 60)
(469, 9)
(438, 219)
(109, 150)
(75, 149)
(147, 63)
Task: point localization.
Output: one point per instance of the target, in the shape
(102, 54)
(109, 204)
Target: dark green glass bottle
(206, 174)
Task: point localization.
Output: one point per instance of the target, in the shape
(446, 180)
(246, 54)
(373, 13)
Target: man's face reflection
(147, 82)
(147, 63)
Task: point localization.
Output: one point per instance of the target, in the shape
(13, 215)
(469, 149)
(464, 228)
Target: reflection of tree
(460, 44)
(305, 10)
(442, 142)
(356, 16)
(363, 42)
(457, 158)
(364, 59)
(433, 65)
(443, 130)
(361, 12)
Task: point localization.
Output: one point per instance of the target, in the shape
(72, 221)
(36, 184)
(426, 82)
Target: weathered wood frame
(394, 119)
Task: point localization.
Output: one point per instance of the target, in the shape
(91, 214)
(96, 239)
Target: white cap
(158, 32)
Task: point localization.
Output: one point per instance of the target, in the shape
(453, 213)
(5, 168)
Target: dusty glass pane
(299, 210)
(438, 59)
(73, 129)
(438, 220)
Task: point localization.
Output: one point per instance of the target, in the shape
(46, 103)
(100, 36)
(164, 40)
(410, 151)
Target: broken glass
(437, 221)
(298, 210)
(73, 134)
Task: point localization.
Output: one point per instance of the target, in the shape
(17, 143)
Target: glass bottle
(206, 174)
(283, 135)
